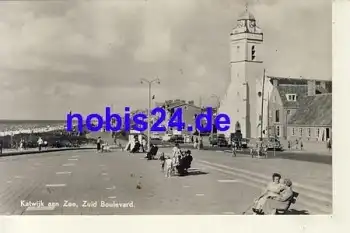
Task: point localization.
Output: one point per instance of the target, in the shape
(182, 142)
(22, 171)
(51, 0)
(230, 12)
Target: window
(301, 132)
(277, 116)
(309, 132)
(237, 49)
(318, 132)
(277, 131)
(293, 131)
(291, 97)
(253, 53)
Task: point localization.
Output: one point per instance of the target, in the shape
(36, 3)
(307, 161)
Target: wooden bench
(292, 201)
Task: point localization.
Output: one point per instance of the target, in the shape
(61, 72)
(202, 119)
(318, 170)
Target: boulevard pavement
(219, 184)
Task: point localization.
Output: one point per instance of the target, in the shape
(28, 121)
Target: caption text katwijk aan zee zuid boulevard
(222, 121)
(83, 204)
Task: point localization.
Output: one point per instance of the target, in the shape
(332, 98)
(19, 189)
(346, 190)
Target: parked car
(244, 142)
(218, 140)
(155, 137)
(177, 139)
(166, 137)
(274, 144)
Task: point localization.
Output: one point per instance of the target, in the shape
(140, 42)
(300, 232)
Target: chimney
(311, 87)
(275, 82)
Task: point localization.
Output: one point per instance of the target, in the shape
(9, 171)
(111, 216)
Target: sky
(57, 56)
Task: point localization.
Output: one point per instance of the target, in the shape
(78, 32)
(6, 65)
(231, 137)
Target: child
(169, 166)
(162, 161)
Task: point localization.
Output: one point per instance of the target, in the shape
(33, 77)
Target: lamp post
(149, 82)
(217, 107)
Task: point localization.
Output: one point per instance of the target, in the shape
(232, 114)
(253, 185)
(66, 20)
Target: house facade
(300, 109)
(189, 111)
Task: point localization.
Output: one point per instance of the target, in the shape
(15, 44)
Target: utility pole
(262, 107)
(149, 108)
(268, 115)
(217, 108)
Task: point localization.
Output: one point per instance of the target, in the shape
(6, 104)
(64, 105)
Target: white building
(243, 98)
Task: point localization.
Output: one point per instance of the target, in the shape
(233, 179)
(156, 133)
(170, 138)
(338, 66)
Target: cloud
(85, 54)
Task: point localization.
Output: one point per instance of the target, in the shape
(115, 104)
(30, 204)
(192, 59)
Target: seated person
(188, 159)
(105, 147)
(281, 201)
(272, 190)
(152, 152)
(181, 165)
(136, 147)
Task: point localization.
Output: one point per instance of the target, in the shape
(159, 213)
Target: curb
(43, 151)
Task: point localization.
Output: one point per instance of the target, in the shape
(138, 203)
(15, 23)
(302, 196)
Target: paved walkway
(218, 184)
(308, 147)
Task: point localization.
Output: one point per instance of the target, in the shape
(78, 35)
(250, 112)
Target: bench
(292, 201)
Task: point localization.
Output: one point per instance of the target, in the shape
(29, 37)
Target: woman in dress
(273, 189)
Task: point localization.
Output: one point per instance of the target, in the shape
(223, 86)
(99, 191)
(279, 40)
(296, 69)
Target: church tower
(242, 102)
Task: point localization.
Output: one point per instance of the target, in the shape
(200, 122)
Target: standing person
(329, 144)
(144, 145)
(195, 145)
(1, 145)
(200, 145)
(296, 144)
(40, 143)
(288, 145)
(46, 145)
(98, 144)
(21, 144)
(169, 167)
(176, 154)
(162, 161)
(234, 150)
(176, 150)
(301, 145)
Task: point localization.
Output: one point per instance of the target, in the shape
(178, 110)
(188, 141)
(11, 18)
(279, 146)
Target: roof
(299, 90)
(314, 111)
(297, 81)
(246, 15)
(175, 104)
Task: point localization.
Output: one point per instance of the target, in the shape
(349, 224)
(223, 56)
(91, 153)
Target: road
(218, 184)
(290, 155)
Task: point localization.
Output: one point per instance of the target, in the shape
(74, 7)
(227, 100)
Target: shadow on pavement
(297, 212)
(196, 172)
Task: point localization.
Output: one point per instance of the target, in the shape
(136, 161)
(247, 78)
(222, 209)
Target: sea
(24, 125)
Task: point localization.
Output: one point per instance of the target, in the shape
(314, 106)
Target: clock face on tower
(252, 26)
(240, 24)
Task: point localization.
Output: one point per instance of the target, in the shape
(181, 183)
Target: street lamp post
(217, 107)
(149, 82)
